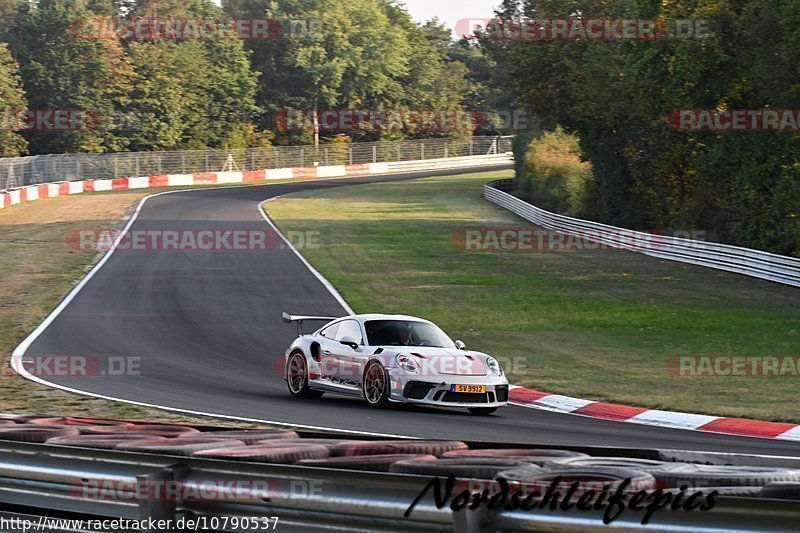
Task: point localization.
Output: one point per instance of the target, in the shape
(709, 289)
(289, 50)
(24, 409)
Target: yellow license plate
(468, 388)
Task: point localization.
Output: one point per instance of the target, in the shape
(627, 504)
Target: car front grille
(416, 390)
(460, 397)
(502, 393)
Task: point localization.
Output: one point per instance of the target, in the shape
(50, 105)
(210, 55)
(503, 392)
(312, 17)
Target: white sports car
(392, 358)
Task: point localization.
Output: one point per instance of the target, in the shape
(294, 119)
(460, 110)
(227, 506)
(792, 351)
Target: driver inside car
(405, 337)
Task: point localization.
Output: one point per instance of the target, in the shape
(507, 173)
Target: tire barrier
(178, 446)
(249, 436)
(723, 476)
(590, 478)
(139, 429)
(384, 447)
(80, 421)
(656, 468)
(19, 419)
(106, 442)
(265, 453)
(483, 468)
(371, 463)
(36, 433)
(49, 421)
(329, 443)
(781, 491)
(538, 457)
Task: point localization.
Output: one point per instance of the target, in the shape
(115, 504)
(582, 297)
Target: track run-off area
(205, 328)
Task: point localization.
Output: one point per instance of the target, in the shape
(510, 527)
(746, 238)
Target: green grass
(597, 325)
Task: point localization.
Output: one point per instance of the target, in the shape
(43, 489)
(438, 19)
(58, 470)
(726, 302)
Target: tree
(63, 70)
(12, 102)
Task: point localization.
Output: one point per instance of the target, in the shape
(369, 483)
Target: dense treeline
(742, 187)
(190, 93)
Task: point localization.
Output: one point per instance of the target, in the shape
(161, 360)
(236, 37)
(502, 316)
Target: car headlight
(494, 366)
(407, 363)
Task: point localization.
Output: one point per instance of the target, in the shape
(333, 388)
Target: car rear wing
(298, 319)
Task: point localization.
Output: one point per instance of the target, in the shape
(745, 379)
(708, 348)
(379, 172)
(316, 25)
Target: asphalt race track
(207, 327)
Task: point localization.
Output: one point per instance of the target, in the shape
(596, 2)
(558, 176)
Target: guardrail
(33, 170)
(51, 480)
(745, 261)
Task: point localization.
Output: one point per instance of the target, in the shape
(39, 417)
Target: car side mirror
(460, 345)
(349, 341)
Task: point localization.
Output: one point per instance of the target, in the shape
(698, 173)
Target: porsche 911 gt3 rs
(392, 358)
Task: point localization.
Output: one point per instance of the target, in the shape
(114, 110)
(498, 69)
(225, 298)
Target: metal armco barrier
(745, 261)
(48, 481)
(451, 162)
(22, 171)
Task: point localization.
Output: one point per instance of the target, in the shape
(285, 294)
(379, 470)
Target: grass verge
(597, 325)
(39, 265)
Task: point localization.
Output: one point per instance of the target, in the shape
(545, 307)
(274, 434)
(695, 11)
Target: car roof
(377, 316)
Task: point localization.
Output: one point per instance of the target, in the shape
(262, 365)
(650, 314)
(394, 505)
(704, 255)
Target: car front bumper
(436, 391)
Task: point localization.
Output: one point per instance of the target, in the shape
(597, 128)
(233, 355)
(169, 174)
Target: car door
(349, 360)
(328, 350)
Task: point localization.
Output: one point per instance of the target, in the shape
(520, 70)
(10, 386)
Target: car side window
(330, 331)
(350, 328)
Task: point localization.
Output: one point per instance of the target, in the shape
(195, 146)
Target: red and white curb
(652, 417)
(64, 188)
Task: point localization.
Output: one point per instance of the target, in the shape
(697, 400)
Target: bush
(552, 174)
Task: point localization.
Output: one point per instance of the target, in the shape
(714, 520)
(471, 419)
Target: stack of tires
(528, 467)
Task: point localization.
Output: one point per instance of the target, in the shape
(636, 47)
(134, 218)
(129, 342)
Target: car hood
(445, 361)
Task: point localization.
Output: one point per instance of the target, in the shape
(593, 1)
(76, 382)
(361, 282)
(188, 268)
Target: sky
(451, 11)
(448, 11)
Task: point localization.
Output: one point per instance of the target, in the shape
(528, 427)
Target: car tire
(298, 383)
(482, 411)
(376, 385)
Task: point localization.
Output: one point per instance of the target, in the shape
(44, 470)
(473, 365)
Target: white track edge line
(328, 285)
(19, 351)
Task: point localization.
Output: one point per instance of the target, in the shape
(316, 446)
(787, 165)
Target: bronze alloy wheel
(376, 385)
(297, 377)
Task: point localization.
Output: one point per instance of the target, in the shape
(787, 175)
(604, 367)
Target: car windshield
(406, 333)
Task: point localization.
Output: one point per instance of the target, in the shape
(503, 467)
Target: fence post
(350, 154)
(326, 156)
(445, 151)
(116, 167)
(208, 166)
(302, 157)
(374, 153)
(421, 151)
